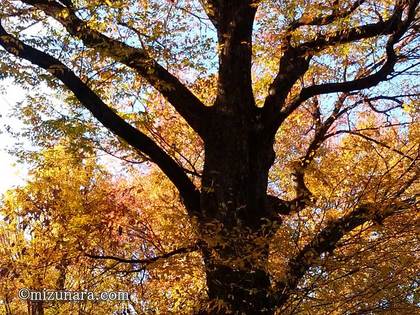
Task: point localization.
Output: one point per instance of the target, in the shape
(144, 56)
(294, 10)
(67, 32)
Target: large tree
(311, 112)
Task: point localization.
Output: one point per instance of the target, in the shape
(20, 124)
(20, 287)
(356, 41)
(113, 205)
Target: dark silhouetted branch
(327, 239)
(111, 120)
(184, 101)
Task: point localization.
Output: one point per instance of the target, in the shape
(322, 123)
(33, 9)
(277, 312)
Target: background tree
(74, 208)
(290, 160)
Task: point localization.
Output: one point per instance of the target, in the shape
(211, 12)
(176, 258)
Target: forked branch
(295, 62)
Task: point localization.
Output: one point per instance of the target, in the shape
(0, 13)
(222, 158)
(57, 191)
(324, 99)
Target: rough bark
(233, 212)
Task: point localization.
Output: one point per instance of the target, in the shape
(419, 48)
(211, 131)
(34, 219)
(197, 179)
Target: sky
(11, 174)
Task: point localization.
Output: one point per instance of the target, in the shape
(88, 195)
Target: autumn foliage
(214, 157)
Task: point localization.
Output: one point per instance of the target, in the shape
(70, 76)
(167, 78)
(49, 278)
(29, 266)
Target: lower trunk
(234, 224)
(238, 289)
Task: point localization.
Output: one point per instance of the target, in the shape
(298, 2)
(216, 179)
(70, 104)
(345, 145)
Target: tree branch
(302, 191)
(279, 206)
(184, 101)
(394, 25)
(303, 195)
(348, 86)
(327, 239)
(324, 20)
(292, 66)
(295, 62)
(211, 7)
(147, 261)
(112, 121)
(361, 135)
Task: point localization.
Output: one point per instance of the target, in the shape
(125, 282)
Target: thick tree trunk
(234, 217)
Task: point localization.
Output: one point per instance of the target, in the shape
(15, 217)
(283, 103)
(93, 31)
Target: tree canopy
(214, 156)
